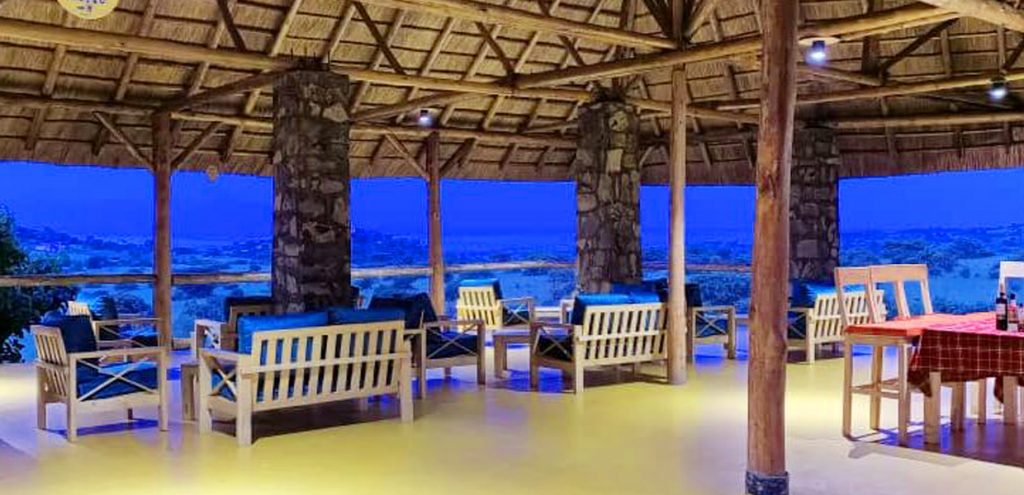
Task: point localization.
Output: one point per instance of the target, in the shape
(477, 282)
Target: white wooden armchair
(606, 335)
(108, 331)
(483, 300)
(224, 334)
(80, 382)
(822, 323)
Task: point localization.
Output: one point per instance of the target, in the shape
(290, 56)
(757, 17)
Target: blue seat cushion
(493, 283)
(87, 379)
(76, 331)
(438, 347)
(346, 316)
(248, 325)
(582, 301)
(417, 307)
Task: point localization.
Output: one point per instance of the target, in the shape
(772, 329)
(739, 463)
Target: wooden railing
(249, 277)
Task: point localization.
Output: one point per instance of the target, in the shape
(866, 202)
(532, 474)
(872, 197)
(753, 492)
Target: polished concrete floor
(634, 437)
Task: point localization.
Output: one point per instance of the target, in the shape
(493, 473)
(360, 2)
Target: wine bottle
(1012, 314)
(1001, 314)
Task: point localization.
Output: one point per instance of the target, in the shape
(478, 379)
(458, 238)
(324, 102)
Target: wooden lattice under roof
(59, 87)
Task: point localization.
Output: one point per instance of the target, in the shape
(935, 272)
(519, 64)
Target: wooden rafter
(487, 13)
(254, 96)
(383, 44)
(127, 71)
(380, 55)
(338, 32)
(699, 16)
(229, 21)
(405, 155)
(124, 139)
(460, 157)
(659, 11)
(258, 81)
(428, 64)
(49, 84)
(914, 45)
(733, 88)
(194, 146)
(991, 11)
(499, 52)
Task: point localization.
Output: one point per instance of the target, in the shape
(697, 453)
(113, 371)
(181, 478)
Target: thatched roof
(426, 44)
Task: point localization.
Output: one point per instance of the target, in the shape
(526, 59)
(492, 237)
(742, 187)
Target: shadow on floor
(991, 442)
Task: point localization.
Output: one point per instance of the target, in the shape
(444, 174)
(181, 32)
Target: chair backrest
(479, 303)
(622, 332)
(50, 352)
(229, 339)
(849, 305)
(319, 364)
(1008, 270)
(77, 308)
(898, 276)
(830, 318)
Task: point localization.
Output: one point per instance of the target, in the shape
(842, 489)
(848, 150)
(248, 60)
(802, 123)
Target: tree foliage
(22, 306)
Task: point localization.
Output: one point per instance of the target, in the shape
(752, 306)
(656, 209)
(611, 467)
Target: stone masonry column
(814, 205)
(312, 232)
(607, 173)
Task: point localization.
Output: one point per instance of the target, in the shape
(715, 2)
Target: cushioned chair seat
(248, 325)
(144, 374)
(417, 308)
(440, 348)
(803, 294)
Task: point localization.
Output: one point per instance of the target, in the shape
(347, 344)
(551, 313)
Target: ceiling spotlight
(425, 119)
(997, 89)
(817, 53)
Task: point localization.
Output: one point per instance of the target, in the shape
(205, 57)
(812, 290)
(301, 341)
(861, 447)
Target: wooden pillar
(163, 146)
(677, 232)
(434, 242)
(766, 449)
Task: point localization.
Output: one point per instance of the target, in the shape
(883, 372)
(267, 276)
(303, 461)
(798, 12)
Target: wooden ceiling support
(991, 11)
(229, 21)
(194, 146)
(487, 13)
(839, 75)
(382, 43)
(405, 155)
(914, 45)
(698, 17)
(258, 81)
(124, 139)
(927, 120)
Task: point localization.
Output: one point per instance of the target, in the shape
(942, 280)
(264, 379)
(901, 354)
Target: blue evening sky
(118, 202)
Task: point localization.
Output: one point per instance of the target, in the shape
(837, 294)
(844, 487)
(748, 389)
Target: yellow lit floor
(632, 437)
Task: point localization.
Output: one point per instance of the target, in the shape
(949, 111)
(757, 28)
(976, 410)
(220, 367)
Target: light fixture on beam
(997, 89)
(426, 119)
(817, 49)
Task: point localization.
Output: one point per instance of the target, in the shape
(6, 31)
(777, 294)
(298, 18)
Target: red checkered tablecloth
(967, 350)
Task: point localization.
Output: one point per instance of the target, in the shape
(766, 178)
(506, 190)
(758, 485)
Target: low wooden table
(502, 338)
(189, 382)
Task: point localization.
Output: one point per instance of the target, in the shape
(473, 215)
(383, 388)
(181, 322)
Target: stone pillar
(814, 205)
(312, 232)
(607, 173)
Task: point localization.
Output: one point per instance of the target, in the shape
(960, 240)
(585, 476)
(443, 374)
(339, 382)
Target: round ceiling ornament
(89, 9)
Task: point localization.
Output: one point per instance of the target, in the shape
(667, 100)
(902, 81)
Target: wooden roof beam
(475, 11)
(124, 139)
(839, 75)
(926, 120)
(991, 11)
(258, 81)
(229, 21)
(405, 155)
(914, 45)
(700, 15)
(383, 44)
(194, 146)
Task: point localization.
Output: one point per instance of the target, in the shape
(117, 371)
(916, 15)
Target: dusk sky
(103, 201)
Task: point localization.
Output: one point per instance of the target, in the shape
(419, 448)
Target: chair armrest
(543, 324)
(144, 320)
(800, 310)
(454, 323)
(222, 355)
(710, 309)
(203, 322)
(134, 352)
(517, 300)
(114, 344)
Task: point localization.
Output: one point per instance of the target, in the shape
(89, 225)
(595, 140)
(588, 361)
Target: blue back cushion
(483, 282)
(583, 300)
(76, 330)
(249, 325)
(803, 293)
(417, 308)
(346, 316)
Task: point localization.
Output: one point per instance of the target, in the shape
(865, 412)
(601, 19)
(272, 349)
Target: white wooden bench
(81, 382)
(305, 366)
(823, 322)
(610, 335)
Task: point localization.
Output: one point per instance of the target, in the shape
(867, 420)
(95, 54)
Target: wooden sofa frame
(56, 378)
(481, 303)
(344, 362)
(610, 335)
(824, 321)
(703, 317)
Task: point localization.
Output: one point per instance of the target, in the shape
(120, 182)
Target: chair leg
(447, 373)
(903, 396)
(205, 389)
(164, 391)
(876, 384)
(243, 415)
(500, 356)
(481, 368)
(40, 402)
(534, 374)
(72, 423)
(810, 349)
(691, 330)
(847, 387)
(933, 409)
(577, 379)
(730, 346)
(405, 393)
(131, 414)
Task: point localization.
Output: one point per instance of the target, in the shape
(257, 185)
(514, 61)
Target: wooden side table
(189, 382)
(502, 338)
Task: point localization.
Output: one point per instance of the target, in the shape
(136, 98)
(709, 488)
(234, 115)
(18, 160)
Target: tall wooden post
(677, 232)
(766, 449)
(163, 145)
(435, 245)
(677, 326)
